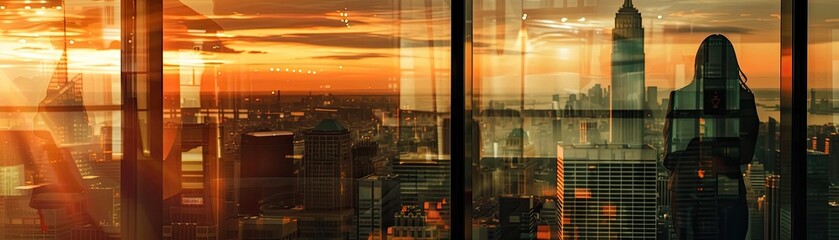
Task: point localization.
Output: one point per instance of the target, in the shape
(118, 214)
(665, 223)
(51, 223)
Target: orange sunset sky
(386, 49)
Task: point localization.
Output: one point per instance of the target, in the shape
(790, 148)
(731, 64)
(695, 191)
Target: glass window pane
(60, 119)
(625, 119)
(306, 119)
(823, 81)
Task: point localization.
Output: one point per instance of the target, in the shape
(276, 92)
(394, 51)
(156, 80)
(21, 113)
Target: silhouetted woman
(711, 131)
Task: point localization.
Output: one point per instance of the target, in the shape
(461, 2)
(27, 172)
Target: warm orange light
(610, 211)
(582, 193)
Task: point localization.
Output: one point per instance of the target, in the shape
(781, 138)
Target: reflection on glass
(306, 120)
(711, 130)
(59, 106)
(822, 136)
(572, 100)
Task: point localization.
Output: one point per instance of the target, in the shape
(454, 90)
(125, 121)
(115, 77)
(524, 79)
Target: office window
(585, 119)
(60, 119)
(822, 77)
(625, 120)
(311, 120)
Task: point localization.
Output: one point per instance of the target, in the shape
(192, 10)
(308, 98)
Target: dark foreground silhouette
(711, 130)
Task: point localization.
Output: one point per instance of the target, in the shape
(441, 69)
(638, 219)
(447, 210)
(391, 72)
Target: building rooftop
(608, 152)
(329, 125)
(271, 133)
(374, 177)
(517, 133)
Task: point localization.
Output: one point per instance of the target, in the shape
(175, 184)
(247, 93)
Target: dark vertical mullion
(141, 82)
(128, 176)
(794, 115)
(799, 119)
(458, 113)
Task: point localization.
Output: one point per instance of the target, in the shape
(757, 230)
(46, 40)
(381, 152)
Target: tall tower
(267, 170)
(325, 182)
(627, 76)
(326, 167)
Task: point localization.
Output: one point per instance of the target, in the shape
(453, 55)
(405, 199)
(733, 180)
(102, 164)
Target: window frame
(141, 80)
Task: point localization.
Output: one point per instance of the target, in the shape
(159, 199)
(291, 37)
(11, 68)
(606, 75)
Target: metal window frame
(793, 125)
(141, 80)
(142, 70)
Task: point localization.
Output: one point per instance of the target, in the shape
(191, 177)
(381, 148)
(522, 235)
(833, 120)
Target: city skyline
(682, 24)
(334, 120)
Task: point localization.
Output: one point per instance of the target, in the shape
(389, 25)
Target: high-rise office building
(426, 178)
(832, 150)
(325, 182)
(364, 154)
(628, 76)
(518, 166)
(267, 170)
(772, 210)
(378, 202)
(817, 195)
(833, 211)
(411, 224)
(756, 191)
(518, 216)
(70, 128)
(560, 192)
(326, 169)
(771, 159)
(609, 192)
(191, 207)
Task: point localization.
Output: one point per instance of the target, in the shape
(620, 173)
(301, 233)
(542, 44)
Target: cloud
(276, 21)
(344, 40)
(678, 29)
(227, 7)
(354, 56)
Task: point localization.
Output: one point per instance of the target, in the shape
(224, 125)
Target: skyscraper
(833, 212)
(411, 224)
(518, 165)
(325, 182)
(71, 129)
(326, 168)
(191, 208)
(518, 216)
(627, 76)
(267, 169)
(560, 191)
(817, 195)
(756, 190)
(378, 203)
(426, 178)
(609, 191)
(772, 211)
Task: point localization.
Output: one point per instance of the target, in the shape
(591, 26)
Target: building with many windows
(609, 192)
(377, 204)
(325, 182)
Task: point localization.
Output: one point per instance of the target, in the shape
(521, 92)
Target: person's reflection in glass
(711, 130)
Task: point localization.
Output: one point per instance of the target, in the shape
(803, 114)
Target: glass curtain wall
(331, 119)
(822, 82)
(306, 119)
(625, 119)
(60, 121)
